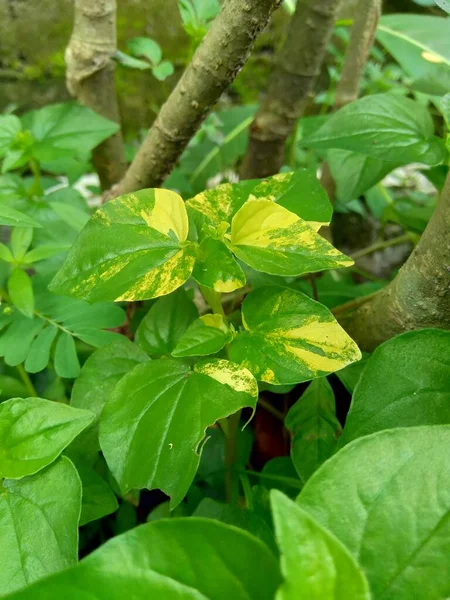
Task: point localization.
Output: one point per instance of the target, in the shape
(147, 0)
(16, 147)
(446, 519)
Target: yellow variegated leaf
(290, 338)
(274, 240)
(298, 191)
(134, 247)
(217, 268)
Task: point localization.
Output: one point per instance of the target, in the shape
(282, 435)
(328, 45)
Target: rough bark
(293, 77)
(90, 78)
(419, 296)
(214, 66)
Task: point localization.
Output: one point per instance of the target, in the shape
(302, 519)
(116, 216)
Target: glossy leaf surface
(385, 496)
(39, 525)
(206, 335)
(314, 426)
(176, 559)
(164, 324)
(176, 404)
(133, 248)
(384, 126)
(314, 563)
(33, 432)
(290, 338)
(406, 382)
(271, 239)
(101, 373)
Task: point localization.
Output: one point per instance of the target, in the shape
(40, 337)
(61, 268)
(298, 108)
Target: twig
(402, 239)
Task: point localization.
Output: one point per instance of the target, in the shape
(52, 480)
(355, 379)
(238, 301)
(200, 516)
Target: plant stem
(36, 188)
(248, 493)
(401, 239)
(214, 300)
(26, 380)
(271, 409)
(342, 308)
(231, 477)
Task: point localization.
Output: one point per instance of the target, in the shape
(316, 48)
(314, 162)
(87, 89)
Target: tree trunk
(293, 77)
(420, 294)
(90, 78)
(214, 66)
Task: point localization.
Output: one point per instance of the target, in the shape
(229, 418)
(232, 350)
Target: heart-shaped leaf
(176, 404)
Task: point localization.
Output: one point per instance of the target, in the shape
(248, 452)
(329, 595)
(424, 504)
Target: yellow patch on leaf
(237, 377)
(168, 214)
(162, 280)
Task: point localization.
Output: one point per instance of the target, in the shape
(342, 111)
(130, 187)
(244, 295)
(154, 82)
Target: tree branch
(90, 78)
(356, 56)
(217, 61)
(420, 294)
(292, 79)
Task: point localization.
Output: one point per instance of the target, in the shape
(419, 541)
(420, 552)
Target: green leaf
(289, 338)
(171, 559)
(66, 358)
(355, 173)
(69, 127)
(206, 335)
(14, 218)
(274, 240)
(164, 70)
(164, 324)
(34, 432)
(279, 473)
(386, 498)
(16, 341)
(131, 62)
(39, 353)
(384, 126)
(39, 533)
(5, 254)
(133, 248)
(21, 239)
(11, 387)
(43, 252)
(98, 499)
(10, 126)
(217, 268)
(178, 404)
(72, 215)
(202, 161)
(314, 427)
(101, 373)
(20, 290)
(247, 520)
(298, 192)
(406, 382)
(146, 47)
(419, 43)
(314, 563)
